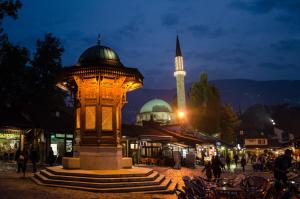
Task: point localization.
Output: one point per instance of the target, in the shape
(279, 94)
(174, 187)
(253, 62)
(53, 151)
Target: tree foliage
(13, 60)
(23, 81)
(45, 68)
(204, 106)
(229, 122)
(8, 8)
(257, 119)
(207, 114)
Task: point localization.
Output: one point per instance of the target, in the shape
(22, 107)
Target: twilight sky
(253, 39)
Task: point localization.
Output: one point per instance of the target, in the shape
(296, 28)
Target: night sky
(256, 39)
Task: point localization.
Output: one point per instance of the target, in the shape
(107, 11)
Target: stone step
(145, 189)
(112, 174)
(44, 179)
(50, 175)
(170, 190)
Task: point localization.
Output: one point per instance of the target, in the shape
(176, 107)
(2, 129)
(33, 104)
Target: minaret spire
(99, 39)
(179, 75)
(178, 51)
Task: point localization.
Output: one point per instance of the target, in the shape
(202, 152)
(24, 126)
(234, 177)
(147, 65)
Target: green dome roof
(156, 105)
(98, 55)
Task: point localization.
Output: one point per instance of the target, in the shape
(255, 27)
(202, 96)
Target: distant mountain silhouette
(240, 93)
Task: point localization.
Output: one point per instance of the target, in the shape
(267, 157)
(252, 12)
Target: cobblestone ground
(14, 186)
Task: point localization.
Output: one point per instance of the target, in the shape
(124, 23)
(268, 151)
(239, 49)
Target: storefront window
(69, 146)
(61, 143)
(9, 143)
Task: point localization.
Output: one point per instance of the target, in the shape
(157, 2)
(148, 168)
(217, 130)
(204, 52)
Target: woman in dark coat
(24, 159)
(216, 167)
(34, 158)
(51, 157)
(243, 163)
(228, 161)
(17, 159)
(207, 168)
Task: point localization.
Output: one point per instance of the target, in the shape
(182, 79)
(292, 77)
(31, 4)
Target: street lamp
(181, 115)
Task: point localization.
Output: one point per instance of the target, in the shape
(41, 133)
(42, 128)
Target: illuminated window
(90, 117)
(133, 146)
(107, 118)
(78, 118)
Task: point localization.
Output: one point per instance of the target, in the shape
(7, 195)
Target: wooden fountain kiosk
(99, 82)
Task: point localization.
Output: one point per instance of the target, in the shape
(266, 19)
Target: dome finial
(98, 39)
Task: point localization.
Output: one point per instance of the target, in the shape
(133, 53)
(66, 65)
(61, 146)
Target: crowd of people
(265, 162)
(30, 153)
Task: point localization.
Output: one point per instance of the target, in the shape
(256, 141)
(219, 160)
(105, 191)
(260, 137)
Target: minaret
(179, 75)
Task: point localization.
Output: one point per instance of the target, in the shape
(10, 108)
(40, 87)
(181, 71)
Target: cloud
(290, 45)
(206, 31)
(266, 6)
(276, 66)
(130, 29)
(287, 11)
(290, 19)
(170, 19)
(222, 56)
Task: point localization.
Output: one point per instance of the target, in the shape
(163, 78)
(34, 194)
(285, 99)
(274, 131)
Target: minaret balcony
(179, 72)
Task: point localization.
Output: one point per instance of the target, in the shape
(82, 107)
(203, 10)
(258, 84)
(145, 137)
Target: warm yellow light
(181, 114)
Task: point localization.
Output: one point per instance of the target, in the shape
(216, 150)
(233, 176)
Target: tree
(8, 8)
(46, 66)
(229, 122)
(256, 119)
(204, 106)
(13, 60)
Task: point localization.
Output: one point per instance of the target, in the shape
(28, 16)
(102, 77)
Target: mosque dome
(157, 110)
(99, 55)
(156, 105)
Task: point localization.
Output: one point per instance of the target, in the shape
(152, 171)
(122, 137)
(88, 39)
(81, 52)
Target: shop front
(61, 144)
(10, 140)
(205, 152)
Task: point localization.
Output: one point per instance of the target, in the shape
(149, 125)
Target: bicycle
(280, 191)
(194, 188)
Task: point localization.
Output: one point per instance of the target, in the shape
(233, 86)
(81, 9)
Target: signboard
(260, 141)
(9, 136)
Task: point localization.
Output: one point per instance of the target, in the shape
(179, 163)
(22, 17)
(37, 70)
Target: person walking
(281, 166)
(18, 160)
(223, 162)
(216, 167)
(51, 157)
(24, 159)
(34, 158)
(228, 161)
(236, 159)
(207, 168)
(243, 163)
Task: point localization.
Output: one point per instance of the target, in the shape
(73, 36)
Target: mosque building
(160, 111)
(156, 110)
